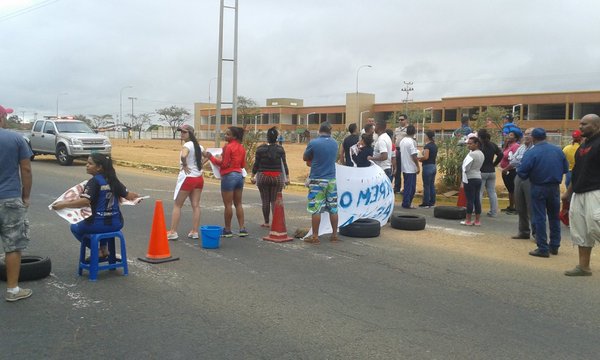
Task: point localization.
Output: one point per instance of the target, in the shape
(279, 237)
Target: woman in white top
(472, 180)
(189, 182)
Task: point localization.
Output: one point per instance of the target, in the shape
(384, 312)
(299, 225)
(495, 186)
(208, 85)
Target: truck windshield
(73, 127)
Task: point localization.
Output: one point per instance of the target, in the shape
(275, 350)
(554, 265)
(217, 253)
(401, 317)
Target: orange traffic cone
(158, 248)
(462, 199)
(278, 231)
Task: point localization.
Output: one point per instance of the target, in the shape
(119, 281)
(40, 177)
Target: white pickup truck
(67, 139)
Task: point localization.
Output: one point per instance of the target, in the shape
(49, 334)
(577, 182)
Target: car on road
(67, 140)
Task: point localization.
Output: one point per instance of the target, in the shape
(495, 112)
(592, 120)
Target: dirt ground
(164, 153)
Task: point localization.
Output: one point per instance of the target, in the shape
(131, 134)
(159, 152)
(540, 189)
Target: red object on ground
(278, 231)
(462, 199)
(564, 213)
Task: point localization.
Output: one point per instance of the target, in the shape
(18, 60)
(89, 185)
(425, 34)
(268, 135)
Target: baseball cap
(186, 127)
(576, 134)
(4, 111)
(538, 134)
(508, 117)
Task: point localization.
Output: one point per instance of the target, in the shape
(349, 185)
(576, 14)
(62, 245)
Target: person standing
(15, 190)
(399, 134)
(492, 157)
(464, 130)
(544, 165)
(509, 126)
(511, 144)
(349, 141)
(472, 180)
(410, 166)
(584, 195)
(522, 192)
(429, 169)
(269, 173)
(231, 164)
(382, 152)
(362, 151)
(322, 194)
(569, 152)
(189, 182)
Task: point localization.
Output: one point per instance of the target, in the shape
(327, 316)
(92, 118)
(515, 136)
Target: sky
(83, 54)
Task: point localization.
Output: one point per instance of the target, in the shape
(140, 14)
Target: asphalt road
(447, 292)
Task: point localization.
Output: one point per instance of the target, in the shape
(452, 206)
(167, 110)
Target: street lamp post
(357, 101)
(121, 103)
(361, 116)
(132, 116)
(57, 96)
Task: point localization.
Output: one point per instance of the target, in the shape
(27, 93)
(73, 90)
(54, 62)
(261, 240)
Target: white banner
(363, 193)
(215, 169)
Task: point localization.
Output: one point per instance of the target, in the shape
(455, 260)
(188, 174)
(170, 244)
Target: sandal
(312, 240)
(193, 235)
(334, 238)
(265, 225)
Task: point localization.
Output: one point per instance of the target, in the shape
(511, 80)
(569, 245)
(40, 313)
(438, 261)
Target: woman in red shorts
(189, 182)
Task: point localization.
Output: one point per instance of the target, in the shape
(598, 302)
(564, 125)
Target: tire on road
(32, 268)
(63, 157)
(408, 222)
(450, 212)
(362, 228)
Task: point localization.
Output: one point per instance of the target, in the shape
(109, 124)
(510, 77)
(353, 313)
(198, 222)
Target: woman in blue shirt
(102, 193)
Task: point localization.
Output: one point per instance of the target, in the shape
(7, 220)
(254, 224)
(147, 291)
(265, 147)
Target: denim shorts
(232, 181)
(14, 225)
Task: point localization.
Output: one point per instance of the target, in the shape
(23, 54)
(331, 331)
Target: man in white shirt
(410, 166)
(399, 134)
(382, 152)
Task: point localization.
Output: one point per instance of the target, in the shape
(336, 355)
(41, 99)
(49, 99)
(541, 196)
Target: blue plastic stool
(113, 263)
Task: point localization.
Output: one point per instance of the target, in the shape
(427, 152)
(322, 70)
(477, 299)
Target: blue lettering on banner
(348, 222)
(364, 195)
(346, 199)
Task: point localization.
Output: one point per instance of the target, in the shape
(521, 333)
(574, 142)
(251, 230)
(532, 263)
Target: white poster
(75, 215)
(215, 169)
(363, 193)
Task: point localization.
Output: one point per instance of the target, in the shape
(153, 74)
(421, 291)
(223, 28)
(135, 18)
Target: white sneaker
(22, 294)
(193, 235)
(172, 236)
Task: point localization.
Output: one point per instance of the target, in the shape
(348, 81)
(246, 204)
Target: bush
(449, 159)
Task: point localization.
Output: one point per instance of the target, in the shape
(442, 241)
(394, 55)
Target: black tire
(362, 228)
(408, 222)
(32, 268)
(450, 212)
(63, 157)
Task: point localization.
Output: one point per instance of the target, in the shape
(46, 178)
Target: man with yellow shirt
(569, 152)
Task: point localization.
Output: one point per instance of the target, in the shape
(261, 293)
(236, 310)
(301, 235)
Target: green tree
(99, 121)
(174, 116)
(84, 118)
(250, 142)
(492, 117)
(247, 110)
(449, 160)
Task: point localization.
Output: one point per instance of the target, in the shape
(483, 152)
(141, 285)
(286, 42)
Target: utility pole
(407, 89)
(132, 115)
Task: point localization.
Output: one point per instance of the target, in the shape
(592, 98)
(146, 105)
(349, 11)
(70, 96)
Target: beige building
(556, 112)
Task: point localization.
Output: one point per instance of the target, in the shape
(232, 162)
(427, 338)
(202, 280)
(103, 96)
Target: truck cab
(67, 140)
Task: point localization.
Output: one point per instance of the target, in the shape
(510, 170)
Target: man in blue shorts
(15, 188)
(321, 154)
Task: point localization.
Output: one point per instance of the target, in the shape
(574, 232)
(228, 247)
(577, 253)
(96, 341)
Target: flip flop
(312, 240)
(578, 271)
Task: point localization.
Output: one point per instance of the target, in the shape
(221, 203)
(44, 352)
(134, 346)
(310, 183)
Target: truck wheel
(63, 157)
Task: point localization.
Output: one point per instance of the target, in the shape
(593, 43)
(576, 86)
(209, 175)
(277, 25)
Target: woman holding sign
(231, 166)
(189, 182)
(270, 172)
(102, 193)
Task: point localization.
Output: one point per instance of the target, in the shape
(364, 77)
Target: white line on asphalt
(455, 231)
(80, 300)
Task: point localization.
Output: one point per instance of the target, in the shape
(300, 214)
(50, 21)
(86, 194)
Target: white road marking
(455, 231)
(80, 301)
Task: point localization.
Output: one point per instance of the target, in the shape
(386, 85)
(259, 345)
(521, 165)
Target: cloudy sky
(83, 52)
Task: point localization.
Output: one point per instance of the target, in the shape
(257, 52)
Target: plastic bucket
(211, 235)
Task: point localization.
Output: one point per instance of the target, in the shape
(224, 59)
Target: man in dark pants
(544, 165)
(399, 134)
(522, 192)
